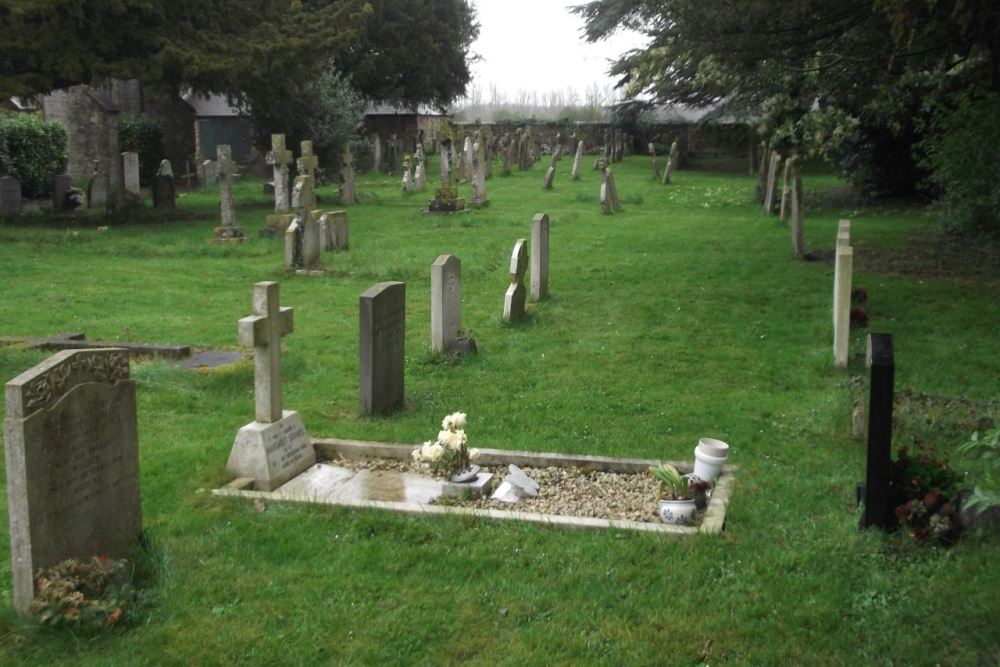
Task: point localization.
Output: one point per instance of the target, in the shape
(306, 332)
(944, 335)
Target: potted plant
(677, 494)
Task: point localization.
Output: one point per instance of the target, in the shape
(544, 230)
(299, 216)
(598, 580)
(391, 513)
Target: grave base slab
(271, 454)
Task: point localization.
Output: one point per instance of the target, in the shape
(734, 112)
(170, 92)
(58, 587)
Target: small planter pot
(677, 512)
(707, 467)
(713, 447)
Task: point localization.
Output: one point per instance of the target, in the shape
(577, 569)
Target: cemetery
(501, 392)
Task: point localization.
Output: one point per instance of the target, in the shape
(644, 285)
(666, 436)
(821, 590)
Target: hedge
(32, 151)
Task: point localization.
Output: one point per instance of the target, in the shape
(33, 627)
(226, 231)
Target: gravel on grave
(563, 491)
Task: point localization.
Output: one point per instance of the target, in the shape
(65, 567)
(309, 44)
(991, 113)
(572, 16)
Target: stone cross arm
(254, 329)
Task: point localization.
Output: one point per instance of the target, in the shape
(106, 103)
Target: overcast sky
(537, 45)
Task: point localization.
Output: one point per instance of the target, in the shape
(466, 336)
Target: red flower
(859, 317)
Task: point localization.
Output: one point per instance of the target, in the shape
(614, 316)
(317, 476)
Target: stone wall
(91, 122)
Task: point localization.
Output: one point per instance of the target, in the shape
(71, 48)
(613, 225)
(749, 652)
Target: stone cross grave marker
(60, 193)
(842, 274)
(10, 195)
(274, 447)
(164, 187)
(347, 194)
(878, 470)
(307, 165)
(226, 171)
(513, 300)
(539, 256)
(279, 158)
(72, 454)
(302, 195)
(130, 172)
(577, 160)
(446, 302)
(382, 347)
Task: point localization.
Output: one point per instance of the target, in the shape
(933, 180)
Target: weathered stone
(72, 456)
(420, 170)
(382, 347)
(279, 158)
(130, 172)
(97, 187)
(61, 185)
(550, 175)
(609, 193)
(274, 447)
(226, 169)
(577, 160)
(798, 243)
(446, 302)
(477, 172)
(207, 173)
(656, 164)
(771, 194)
(539, 256)
(514, 298)
(843, 269)
(347, 194)
(376, 143)
(302, 197)
(786, 188)
(165, 169)
(10, 195)
(164, 192)
(293, 244)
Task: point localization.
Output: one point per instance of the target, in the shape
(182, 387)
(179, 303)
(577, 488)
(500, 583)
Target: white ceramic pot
(713, 447)
(707, 467)
(678, 512)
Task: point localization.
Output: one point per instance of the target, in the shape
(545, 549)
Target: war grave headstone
(539, 256)
(228, 232)
(348, 197)
(446, 302)
(770, 194)
(274, 447)
(843, 268)
(478, 173)
(382, 348)
(164, 187)
(514, 298)
(786, 189)
(798, 242)
(61, 186)
(334, 231)
(878, 468)
(577, 160)
(10, 195)
(130, 173)
(279, 158)
(72, 455)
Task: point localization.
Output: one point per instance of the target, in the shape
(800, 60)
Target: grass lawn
(685, 316)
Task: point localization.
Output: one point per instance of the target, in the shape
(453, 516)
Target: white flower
(435, 453)
(473, 454)
(454, 421)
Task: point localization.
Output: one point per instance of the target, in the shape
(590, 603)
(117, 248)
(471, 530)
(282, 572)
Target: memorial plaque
(72, 456)
(382, 347)
(272, 453)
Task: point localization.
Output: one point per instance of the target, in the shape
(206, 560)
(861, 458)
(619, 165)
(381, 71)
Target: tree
(853, 80)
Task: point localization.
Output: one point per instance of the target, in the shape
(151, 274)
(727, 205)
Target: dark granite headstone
(61, 185)
(878, 494)
(164, 192)
(382, 346)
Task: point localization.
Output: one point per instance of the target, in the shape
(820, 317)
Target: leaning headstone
(878, 470)
(786, 188)
(164, 187)
(539, 256)
(671, 163)
(10, 195)
(130, 172)
(382, 347)
(550, 175)
(446, 302)
(274, 447)
(279, 158)
(334, 230)
(798, 243)
(842, 274)
(61, 185)
(347, 194)
(72, 455)
(771, 195)
(513, 300)
(609, 193)
(228, 232)
(577, 160)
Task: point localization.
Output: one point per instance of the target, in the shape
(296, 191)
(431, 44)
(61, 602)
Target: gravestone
(539, 256)
(842, 274)
(843, 239)
(786, 188)
(420, 171)
(164, 187)
(376, 142)
(798, 242)
(477, 172)
(382, 348)
(771, 195)
(97, 187)
(293, 244)
(307, 165)
(762, 172)
(509, 153)
(207, 173)
(279, 158)
(130, 172)
(656, 164)
(446, 302)
(72, 454)
(10, 195)
(609, 193)
(577, 160)
(445, 151)
(467, 160)
(228, 232)
(347, 194)
(878, 470)
(303, 242)
(550, 175)
(274, 447)
(513, 300)
(61, 185)
(407, 174)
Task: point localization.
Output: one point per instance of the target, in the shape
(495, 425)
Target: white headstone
(130, 172)
(446, 301)
(514, 298)
(539, 256)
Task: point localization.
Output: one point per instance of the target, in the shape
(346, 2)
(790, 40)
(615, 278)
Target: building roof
(390, 110)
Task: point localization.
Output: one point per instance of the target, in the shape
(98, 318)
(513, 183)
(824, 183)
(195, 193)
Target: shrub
(961, 153)
(143, 135)
(32, 151)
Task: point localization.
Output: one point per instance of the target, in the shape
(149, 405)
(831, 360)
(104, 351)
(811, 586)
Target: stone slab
(213, 359)
(272, 453)
(477, 488)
